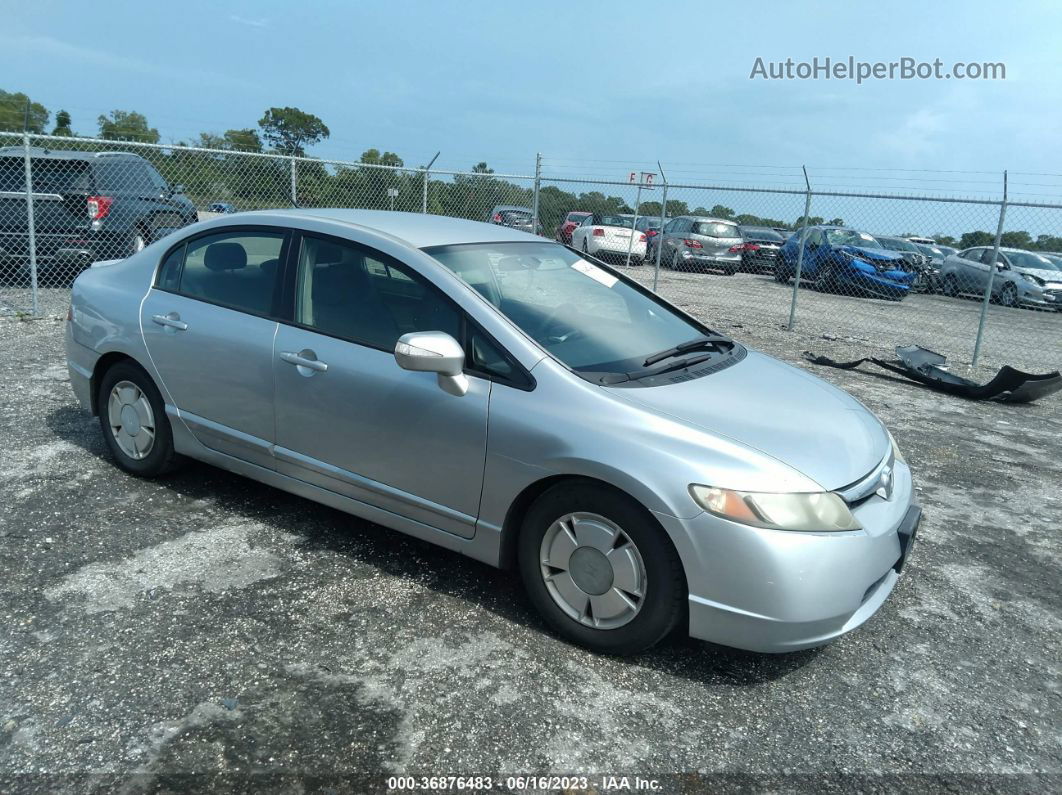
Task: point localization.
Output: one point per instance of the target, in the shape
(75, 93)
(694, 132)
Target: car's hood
(881, 255)
(780, 410)
(1042, 273)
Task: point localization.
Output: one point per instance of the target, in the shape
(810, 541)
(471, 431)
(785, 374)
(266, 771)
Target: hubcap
(131, 419)
(593, 570)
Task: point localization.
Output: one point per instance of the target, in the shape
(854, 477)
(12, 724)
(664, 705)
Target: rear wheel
(134, 423)
(827, 280)
(600, 570)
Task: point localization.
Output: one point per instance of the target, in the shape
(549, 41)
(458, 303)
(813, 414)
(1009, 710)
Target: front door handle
(172, 320)
(301, 359)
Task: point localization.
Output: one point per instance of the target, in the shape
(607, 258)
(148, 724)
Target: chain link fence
(820, 265)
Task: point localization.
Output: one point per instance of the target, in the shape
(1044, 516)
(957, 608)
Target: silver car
(697, 243)
(1021, 278)
(497, 394)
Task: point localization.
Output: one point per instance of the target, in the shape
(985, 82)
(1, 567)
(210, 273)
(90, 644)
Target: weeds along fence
(65, 202)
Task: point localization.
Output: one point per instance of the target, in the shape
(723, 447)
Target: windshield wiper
(681, 364)
(685, 347)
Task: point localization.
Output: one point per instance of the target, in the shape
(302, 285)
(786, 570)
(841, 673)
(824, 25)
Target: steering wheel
(542, 332)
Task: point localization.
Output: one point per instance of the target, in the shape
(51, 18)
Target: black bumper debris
(929, 368)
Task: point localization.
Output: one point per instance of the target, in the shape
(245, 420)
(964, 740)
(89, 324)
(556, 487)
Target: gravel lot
(192, 632)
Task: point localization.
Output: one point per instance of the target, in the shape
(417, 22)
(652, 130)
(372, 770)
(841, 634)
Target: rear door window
(50, 175)
(238, 270)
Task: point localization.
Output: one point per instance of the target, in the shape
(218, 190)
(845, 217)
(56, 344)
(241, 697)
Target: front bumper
(1042, 299)
(779, 591)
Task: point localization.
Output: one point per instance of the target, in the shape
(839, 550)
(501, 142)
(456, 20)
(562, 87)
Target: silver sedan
(502, 396)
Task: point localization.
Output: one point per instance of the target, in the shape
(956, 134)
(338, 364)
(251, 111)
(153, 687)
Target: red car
(571, 220)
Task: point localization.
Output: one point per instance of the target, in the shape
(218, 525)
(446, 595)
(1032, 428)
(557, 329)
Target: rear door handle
(300, 360)
(172, 320)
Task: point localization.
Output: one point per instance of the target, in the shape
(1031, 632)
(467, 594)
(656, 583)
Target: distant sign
(392, 192)
(646, 179)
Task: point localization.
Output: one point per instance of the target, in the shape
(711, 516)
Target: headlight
(809, 512)
(896, 454)
(1034, 279)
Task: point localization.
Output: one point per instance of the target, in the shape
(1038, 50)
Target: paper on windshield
(594, 272)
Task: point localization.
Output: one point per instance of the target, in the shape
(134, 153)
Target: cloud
(49, 47)
(250, 23)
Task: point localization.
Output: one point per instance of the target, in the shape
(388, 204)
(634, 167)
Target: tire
(126, 384)
(597, 509)
(781, 272)
(826, 282)
(1008, 296)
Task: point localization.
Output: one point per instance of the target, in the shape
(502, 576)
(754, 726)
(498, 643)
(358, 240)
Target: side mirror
(1002, 266)
(434, 352)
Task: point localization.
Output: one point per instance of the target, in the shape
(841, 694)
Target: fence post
(294, 194)
(800, 253)
(30, 224)
(991, 275)
(660, 234)
(534, 201)
(424, 196)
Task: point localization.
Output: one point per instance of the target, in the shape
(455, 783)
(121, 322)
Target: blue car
(845, 260)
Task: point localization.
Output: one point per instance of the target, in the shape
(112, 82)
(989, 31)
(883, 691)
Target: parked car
(88, 206)
(759, 248)
(571, 220)
(514, 217)
(1021, 278)
(497, 394)
(649, 225)
(840, 259)
(610, 235)
(927, 274)
(692, 242)
(225, 208)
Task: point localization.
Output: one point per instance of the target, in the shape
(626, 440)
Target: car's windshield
(576, 217)
(589, 318)
(756, 233)
(624, 221)
(1026, 259)
(850, 237)
(897, 244)
(929, 251)
(715, 229)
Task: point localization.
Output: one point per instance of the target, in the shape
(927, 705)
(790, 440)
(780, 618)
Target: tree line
(248, 183)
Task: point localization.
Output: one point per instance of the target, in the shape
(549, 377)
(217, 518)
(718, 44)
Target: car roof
(64, 154)
(498, 207)
(415, 229)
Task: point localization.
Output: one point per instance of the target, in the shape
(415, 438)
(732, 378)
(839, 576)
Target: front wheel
(600, 570)
(134, 423)
(1009, 296)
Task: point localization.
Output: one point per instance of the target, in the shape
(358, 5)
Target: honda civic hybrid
(513, 400)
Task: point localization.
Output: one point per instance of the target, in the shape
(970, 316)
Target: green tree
(1016, 240)
(127, 125)
(978, 238)
(719, 211)
(290, 130)
(13, 115)
(836, 222)
(246, 140)
(374, 158)
(62, 124)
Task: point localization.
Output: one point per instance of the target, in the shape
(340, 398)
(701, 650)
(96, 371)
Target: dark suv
(87, 206)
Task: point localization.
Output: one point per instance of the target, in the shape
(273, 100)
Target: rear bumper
(717, 262)
(779, 591)
(80, 364)
(61, 252)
